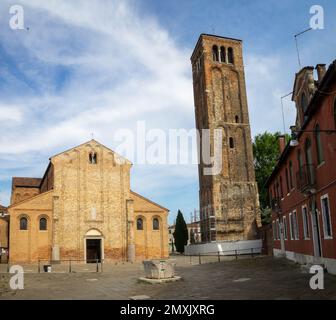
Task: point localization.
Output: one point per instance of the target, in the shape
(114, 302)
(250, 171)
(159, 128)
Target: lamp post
(294, 141)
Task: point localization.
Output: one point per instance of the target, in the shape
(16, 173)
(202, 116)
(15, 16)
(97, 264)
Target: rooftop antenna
(297, 46)
(282, 109)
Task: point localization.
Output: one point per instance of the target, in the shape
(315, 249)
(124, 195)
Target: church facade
(84, 209)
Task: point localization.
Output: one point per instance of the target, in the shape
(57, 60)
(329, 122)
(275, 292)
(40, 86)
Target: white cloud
(121, 68)
(118, 67)
(4, 196)
(10, 114)
(267, 82)
(128, 68)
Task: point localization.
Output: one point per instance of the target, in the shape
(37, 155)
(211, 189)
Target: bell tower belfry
(229, 204)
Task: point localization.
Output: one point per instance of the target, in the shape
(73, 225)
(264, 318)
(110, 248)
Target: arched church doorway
(93, 246)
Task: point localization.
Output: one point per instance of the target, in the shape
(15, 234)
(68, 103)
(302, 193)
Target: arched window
(230, 55)
(275, 191)
(335, 112)
(287, 181)
(23, 223)
(308, 151)
(277, 185)
(215, 53)
(93, 158)
(237, 119)
(309, 161)
(139, 224)
(231, 142)
(222, 54)
(319, 148)
(304, 102)
(291, 184)
(156, 224)
(281, 189)
(300, 162)
(43, 224)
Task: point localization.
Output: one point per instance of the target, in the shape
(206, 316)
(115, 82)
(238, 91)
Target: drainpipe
(314, 213)
(282, 239)
(55, 253)
(130, 229)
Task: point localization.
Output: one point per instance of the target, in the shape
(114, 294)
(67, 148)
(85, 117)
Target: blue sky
(99, 66)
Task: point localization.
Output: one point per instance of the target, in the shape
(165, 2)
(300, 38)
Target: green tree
(266, 153)
(180, 233)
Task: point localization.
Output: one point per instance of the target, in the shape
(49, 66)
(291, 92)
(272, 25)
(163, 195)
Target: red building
(302, 187)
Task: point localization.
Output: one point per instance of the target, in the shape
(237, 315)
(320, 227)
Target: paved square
(249, 278)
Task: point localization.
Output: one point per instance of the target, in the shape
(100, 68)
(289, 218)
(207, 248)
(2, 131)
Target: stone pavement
(249, 278)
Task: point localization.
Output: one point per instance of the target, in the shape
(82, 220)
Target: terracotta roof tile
(26, 182)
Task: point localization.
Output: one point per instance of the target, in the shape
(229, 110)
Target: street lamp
(294, 141)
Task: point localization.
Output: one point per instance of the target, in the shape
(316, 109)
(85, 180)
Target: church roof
(26, 182)
(92, 141)
(222, 37)
(150, 201)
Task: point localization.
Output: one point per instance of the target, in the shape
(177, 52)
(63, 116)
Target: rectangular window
(274, 230)
(291, 226)
(277, 229)
(326, 217)
(284, 224)
(296, 226)
(305, 222)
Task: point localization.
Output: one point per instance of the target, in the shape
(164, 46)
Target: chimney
(321, 71)
(282, 143)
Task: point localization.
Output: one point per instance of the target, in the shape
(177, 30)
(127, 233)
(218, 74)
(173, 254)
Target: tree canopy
(266, 153)
(180, 233)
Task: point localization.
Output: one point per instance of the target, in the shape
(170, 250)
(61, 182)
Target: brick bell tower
(229, 203)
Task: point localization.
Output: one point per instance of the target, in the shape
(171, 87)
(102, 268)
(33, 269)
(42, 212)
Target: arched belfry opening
(93, 158)
(215, 56)
(230, 56)
(222, 54)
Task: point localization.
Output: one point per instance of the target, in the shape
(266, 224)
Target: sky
(97, 67)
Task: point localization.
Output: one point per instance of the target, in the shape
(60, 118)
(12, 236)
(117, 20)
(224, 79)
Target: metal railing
(219, 256)
(97, 265)
(59, 266)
